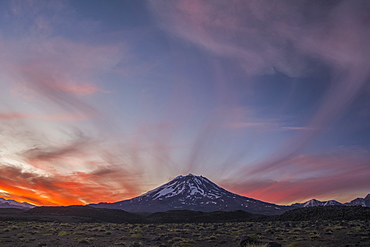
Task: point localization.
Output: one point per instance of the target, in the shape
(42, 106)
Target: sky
(101, 101)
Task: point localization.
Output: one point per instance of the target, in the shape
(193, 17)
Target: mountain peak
(5, 203)
(189, 185)
(367, 197)
(315, 203)
(190, 175)
(191, 192)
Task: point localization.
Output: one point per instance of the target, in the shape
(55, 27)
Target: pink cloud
(55, 117)
(327, 176)
(12, 116)
(84, 89)
(227, 31)
(61, 77)
(39, 63)
(264, 37)
(56, 77)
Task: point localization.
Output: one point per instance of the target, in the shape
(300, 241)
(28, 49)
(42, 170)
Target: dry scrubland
(288, 233)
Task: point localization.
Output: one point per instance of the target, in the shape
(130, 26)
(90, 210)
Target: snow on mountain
(315, 203)
(365, 202)
(312, 203)
(193, 193)
(200, 194)
(13, 204)
(332, 203)
(190, 186)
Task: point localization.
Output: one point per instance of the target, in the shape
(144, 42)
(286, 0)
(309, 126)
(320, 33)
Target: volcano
(195, 193)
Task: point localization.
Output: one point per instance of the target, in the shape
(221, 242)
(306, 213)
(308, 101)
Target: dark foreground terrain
(85, 226)
(306, 233)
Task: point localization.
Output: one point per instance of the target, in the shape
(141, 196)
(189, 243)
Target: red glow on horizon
(63, 190)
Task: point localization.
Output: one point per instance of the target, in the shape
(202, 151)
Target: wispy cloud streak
(54, 76)
(285, 36)
(327, 176)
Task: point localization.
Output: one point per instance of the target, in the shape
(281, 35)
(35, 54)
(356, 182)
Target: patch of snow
(162, 192)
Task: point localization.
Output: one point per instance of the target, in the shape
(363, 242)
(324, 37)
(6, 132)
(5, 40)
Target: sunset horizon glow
(101, 101)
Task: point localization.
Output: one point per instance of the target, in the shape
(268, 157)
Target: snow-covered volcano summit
(193, 193)
(190, 188)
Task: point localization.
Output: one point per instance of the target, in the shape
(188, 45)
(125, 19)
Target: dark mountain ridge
(337, 212)
(87, 214)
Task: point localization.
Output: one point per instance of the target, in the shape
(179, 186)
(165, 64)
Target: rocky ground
(287, 233)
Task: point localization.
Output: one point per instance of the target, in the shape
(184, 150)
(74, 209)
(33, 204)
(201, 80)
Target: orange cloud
(72, 189)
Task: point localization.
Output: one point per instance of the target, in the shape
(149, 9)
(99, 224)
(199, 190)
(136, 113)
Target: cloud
(306, 176)
(292, 37)
(44, 65)
(52, 76)
(237, 125)
(59, 79)
(84, 89)
(226, 30)
(71, 189)
(55, 117)
(54, 71)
